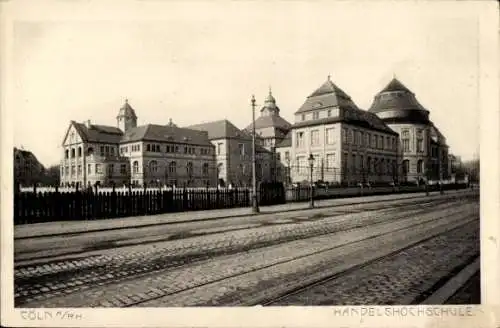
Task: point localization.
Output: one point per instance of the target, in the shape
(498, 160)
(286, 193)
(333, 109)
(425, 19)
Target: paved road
(249, 259)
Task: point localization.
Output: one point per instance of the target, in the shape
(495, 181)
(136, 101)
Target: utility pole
(255, 206)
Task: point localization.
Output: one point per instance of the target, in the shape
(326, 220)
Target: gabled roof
(326, 96)
(97, 133)
(166, 133)
(222, 129)
(270, 121)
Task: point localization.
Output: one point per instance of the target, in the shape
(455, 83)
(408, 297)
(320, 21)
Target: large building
(233, 149)
(139, 155)
(27, 169)
(348, 145)
(424, 152)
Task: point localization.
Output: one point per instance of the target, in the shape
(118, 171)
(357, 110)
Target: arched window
(72, 152)
(135, 167)
(153, 166)
(172, 167)
(79, 151)
(420, 166)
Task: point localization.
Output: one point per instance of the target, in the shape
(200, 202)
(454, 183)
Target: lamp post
(311, 164)
(255, 206)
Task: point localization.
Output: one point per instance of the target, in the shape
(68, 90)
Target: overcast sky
(198, 62)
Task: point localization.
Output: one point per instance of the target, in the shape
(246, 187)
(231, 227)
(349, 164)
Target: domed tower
(270, 108)
(422, 154)
(126, 118)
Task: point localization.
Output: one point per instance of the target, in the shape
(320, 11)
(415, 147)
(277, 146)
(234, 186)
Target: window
(89, 169)
(241, 149)
(278, 156)
(98, 168)
(303, 117)
(350, 136)
(287, 155)
(344, 135)
(420, 166)
(189, 169)
(148, 147)
(368, 140)
(72, 170)
(135, 167)
(353, 163)
(406, 145)
(111, 168)
(329, 112)
(406, 166)
(315, 115)
(330, 161)
(79, 170)
(382, 166)
(79, 151)
(107, 149)
(301, 164)
(387, 143)
(102, 150)
(314, 137)
(158, 148)
(374, 141)
(153, 166)
(123, 168)
(172, 167)
(219, 148)
(362, 138)
(205, 169)
(300, 139)
(369, 164)
(112, 149)
(355, 137)
(72, 152)
(330, 136)
(420, 145)
(66, 154)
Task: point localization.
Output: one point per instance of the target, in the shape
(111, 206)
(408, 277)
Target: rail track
(43, 287)
(309, 255)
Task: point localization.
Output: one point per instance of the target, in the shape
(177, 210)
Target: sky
(197, 62)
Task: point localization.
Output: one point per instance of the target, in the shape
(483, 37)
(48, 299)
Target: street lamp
(311, 164)
(255, 206)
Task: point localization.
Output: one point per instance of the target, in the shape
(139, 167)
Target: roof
(326, 96)
(27, 155)
(396, 96)
(127, 110)
(267, 121)
(286, 142)
(355, 117)
(395, 85)
(222, 129)
(98, 133)
(166, 133)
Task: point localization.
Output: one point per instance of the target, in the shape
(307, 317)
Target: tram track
(176, 298)
(120, 270)
(317, 243)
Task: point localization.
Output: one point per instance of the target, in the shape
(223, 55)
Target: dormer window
(315, 115)
(303, 117)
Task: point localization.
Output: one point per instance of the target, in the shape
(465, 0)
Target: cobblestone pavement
(400, 279)
(261, 285)
(38, 282)
(322, 235)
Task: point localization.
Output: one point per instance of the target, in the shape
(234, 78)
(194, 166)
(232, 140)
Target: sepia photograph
(242, 154)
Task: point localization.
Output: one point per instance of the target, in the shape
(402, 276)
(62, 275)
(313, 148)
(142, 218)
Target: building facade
(423, 148)
(139, 155)
(233, 152)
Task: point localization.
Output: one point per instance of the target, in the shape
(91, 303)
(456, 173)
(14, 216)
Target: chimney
(87, 124)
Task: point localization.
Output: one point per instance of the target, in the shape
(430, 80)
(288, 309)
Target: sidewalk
(67, 227)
